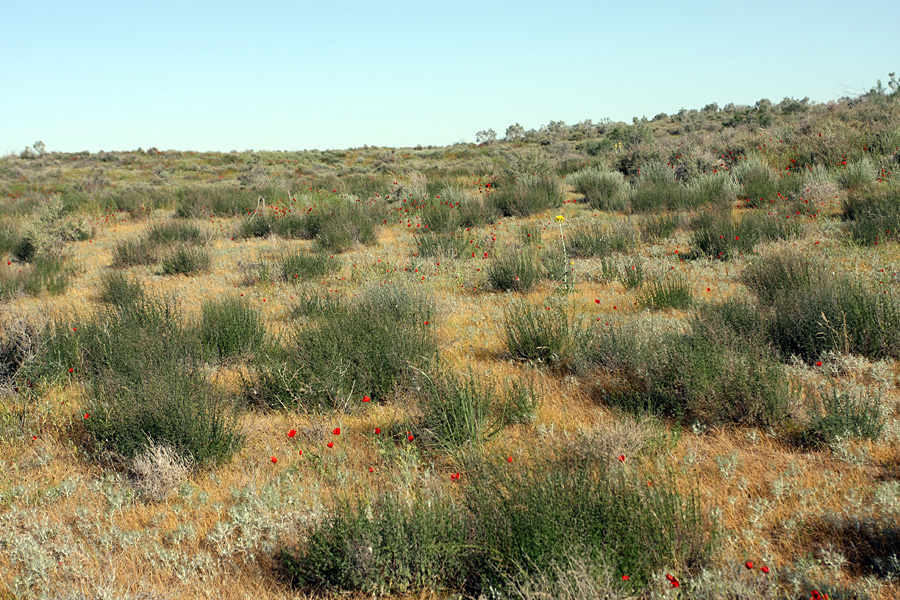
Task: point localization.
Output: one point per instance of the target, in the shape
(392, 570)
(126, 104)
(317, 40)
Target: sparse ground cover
(655, 360)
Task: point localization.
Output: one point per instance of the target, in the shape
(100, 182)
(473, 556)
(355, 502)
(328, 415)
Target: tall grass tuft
(527, 195)
(514, 268)
(230, 328)
(602, 190)
(543, 333)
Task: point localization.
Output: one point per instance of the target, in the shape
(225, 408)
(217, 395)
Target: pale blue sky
(299, 75)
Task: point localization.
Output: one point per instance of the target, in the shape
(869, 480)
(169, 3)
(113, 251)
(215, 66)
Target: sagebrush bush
(370, 346)
(230, 327)
(715, 235)
(710, 190)
(602, 190)
(173, 232)
(336, 227)
(205, 201)
(514, 268)
(158, 471)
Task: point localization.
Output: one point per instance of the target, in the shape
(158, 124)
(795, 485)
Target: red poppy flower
(87, 416)
(410, 438)
(336, 431)
(764, 569)
(366, 399)
(274, 460)
(377, 430)
(509, 459)
(749, 564)
(300, 453)
(625, 577)
(330, 444)
(292, 433)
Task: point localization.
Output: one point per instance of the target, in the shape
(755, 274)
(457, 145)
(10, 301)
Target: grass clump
(655, 228)
(45, 274)
(230, 328)
(461, 409)
(514, 268)
(442, 245)
(303, 266)
(140, 365)
(339, 226)
(129, 253)
(527, 195)
(592, 239)
(186, 260)
(543, 333)
(857, 173)
(372, 345)
(815, 310)
(666, 293)
(602, 189)
(509, 522)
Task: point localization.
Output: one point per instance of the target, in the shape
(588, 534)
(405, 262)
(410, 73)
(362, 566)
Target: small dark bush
(166, 234)
(845, 415)
(590, 240)
(655, 228)
(873, 215)
(46, 274)
(449, 245)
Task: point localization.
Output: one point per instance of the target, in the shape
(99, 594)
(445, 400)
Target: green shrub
(857, 173)
(602, 190)
(513, 268)
(439, 216)
(666, 293)
(129, 253)
(656, 196)
(186, 260)
(509, 523)
(338, 226)
(815, 311)
(301, 266)
(527, 195)
(230, 328)
(462, 409)
(873, 214)
(709, 374)
(140, 365)
(713, 190)
(655, 228)
(843, 415)
(254, 226)
(224, 201)
(715, 235)
(544, 333)
(290, 226)
(389, 544)
(449, 245)
(592, 239)
(116, 289)
(166, 234)
(9, 238)
(632, 276)
(46, 274)
(528, 519)
(372, 345)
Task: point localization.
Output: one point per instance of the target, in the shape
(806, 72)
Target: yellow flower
(560, 218)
